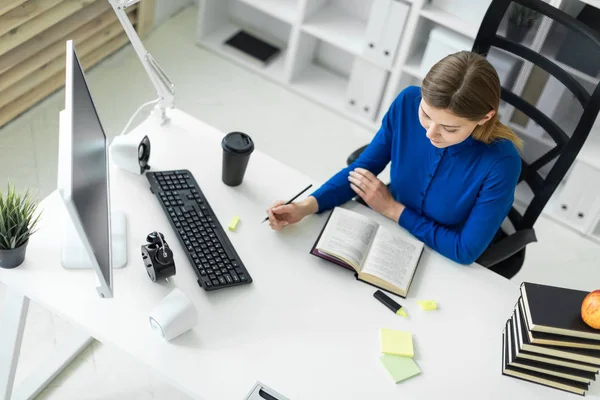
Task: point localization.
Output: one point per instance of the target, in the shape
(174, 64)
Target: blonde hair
(467, 85)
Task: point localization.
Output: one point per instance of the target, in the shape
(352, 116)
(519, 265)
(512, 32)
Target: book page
(392, 257)
(348, 236)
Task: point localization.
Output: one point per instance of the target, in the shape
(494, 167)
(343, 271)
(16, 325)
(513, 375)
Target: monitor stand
(74, 255)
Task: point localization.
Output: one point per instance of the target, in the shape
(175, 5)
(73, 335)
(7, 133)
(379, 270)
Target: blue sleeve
(493, 203)
(337, 191)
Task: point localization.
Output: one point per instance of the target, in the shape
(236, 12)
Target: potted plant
(520, 21)
(18, 221)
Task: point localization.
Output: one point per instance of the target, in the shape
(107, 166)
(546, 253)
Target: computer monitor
(94, 237)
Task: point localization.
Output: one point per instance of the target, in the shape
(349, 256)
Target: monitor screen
(89, 186)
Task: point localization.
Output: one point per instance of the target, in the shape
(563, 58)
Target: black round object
(237, 148)
(164, 256)
(144, 154)
(153, 238)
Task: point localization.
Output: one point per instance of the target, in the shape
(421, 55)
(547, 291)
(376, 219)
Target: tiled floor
(291, 129)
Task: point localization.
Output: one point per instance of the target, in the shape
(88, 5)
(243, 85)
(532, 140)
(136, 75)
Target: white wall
(164, 9)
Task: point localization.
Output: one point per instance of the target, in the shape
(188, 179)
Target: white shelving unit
(320, 41)
(323, 42)
(285, 10)
(335, 26)
(450, 20)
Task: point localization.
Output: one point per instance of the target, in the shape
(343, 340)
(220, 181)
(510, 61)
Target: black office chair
(506, 253)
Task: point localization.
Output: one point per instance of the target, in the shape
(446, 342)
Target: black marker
(389, 303)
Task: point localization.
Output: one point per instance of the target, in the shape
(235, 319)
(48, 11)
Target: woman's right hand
(282, 215)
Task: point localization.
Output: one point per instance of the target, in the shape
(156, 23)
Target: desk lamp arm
(163, 85)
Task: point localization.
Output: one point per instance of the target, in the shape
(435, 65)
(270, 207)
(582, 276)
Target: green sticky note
(396, 343)
(400, 368)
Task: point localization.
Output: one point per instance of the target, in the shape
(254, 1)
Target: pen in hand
(292, 199)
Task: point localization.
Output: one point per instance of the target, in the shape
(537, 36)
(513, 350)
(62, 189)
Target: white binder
(367, 82)
(578, 200)
(375, 27)
(392, 32)
(384, 30)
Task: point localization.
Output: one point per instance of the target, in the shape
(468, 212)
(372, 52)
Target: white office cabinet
(442, 42)
(367, 82)
(578, 200)
(384, 30)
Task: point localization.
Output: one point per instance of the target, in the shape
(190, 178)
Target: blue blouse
(456, 198)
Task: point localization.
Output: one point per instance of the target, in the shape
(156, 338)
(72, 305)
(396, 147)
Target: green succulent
(18, 219)
(522, 16)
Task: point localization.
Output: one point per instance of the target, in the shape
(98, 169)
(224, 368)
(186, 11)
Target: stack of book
(545, 341)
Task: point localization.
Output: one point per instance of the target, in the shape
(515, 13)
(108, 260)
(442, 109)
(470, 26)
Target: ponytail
(494, 130)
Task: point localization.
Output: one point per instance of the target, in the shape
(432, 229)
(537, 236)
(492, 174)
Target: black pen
(389, 303)
(293, 198)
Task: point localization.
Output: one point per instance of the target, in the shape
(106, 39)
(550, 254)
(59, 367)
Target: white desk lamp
(132, 152)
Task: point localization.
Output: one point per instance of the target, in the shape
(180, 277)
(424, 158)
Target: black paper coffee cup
(237, 148)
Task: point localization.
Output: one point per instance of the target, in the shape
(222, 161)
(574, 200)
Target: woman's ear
(487, 117)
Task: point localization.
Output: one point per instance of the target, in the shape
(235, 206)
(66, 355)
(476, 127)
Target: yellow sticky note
(427, 305)
(400, 368)
(233, 223)
(396, 343)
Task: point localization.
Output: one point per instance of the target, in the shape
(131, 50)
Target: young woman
(454, 166)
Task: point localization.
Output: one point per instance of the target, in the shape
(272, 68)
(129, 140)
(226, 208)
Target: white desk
(304, 327)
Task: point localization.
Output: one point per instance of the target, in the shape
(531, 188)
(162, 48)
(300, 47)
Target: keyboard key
(235, 278)
(208, 284)
(243, 278)
(212, 276)
(224, 270)
(228, 278)
(215, 282)
(222, 280)
(203, 272)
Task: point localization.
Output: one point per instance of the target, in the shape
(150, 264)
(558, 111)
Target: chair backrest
(566, 147)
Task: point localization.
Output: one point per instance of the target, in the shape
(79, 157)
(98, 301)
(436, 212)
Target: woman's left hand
(375, 193)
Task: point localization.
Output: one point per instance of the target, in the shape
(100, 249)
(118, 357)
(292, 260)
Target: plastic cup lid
(238, 143)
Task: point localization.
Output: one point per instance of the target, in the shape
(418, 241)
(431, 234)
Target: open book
(385, 257)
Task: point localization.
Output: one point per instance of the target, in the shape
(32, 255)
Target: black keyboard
(208, 248)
